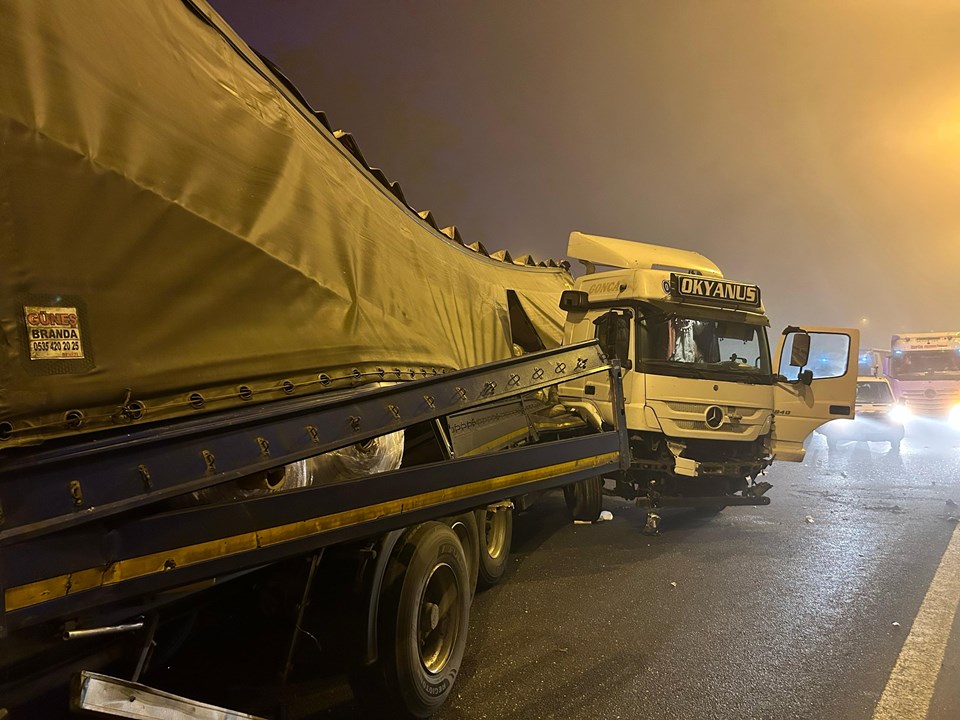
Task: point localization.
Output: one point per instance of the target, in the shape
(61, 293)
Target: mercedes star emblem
(714, 417)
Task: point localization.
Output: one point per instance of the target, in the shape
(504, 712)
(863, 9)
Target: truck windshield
(924, 363)
(705, 347)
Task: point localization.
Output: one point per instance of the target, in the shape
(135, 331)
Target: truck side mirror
(574, 300)
(805, 377)
(800, 350)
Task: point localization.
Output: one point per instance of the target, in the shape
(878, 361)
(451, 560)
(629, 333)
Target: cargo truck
(924, 369)
(706, 409)
(874, 362)
(231, 348)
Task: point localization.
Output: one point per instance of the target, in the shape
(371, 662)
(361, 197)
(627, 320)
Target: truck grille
(701, 426)
(745, 415)
(928, 401)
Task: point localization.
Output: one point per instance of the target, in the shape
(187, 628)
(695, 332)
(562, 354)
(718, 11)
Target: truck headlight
(901, 413)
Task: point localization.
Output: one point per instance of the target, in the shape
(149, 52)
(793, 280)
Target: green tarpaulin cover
(179, 233)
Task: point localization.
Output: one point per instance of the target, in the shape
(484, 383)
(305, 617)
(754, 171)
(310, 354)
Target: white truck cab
(925, 373)
(706, 410)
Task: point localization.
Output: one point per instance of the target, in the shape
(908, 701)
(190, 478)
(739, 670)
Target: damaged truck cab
(707, 411)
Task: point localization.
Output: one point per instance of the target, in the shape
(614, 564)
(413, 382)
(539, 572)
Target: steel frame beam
(84, 479)
(77, 569)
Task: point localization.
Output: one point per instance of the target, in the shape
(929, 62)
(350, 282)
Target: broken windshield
(704, 347)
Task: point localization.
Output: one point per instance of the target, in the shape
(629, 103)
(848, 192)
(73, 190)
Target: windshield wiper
(679, 367)
(735, 365)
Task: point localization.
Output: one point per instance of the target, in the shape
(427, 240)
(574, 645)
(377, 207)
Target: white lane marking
(910, 686)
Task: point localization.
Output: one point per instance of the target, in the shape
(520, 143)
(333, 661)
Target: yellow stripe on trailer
(40, 591)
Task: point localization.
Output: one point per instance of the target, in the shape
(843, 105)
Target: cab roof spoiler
(593, 250)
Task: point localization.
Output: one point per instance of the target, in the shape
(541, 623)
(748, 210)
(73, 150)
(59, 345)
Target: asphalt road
(796, 610)
(785, 611)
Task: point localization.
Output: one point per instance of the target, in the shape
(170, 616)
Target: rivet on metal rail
(581, 363)
(561, 368)
(264, 446)
(431, 403)
(355, 423)
(514, 380)
(538, 373)
(462, 394)
(314, 435)
(489, 388)
(394, 410)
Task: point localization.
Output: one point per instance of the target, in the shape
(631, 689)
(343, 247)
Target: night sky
(810, 147)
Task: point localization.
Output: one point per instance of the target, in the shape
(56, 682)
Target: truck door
(817, 383)
(613, 329)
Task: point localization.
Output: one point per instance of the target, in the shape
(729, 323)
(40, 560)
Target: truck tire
(585, 498)
(425, 613)
(496, 534)
(465, 526)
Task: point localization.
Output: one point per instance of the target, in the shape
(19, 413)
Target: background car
(878, 416)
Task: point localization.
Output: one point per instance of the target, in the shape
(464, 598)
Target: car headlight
(901, 413)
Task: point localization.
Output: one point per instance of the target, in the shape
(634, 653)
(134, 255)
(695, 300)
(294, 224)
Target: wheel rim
(495, 533)
(438, 623)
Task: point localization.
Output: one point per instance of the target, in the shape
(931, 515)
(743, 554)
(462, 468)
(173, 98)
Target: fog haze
(809, 147)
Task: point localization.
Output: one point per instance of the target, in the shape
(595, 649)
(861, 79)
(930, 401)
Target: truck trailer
(231, 346)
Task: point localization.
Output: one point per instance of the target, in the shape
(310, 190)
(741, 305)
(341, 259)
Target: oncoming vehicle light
(954, 418)
(901, 413)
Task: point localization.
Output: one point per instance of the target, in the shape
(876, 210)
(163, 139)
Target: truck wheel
(425, 618)
(585, 498)
(465, 526)
(496, 533)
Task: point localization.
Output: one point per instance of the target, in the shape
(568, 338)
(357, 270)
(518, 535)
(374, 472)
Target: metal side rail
(60, 574)
(88, 479)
